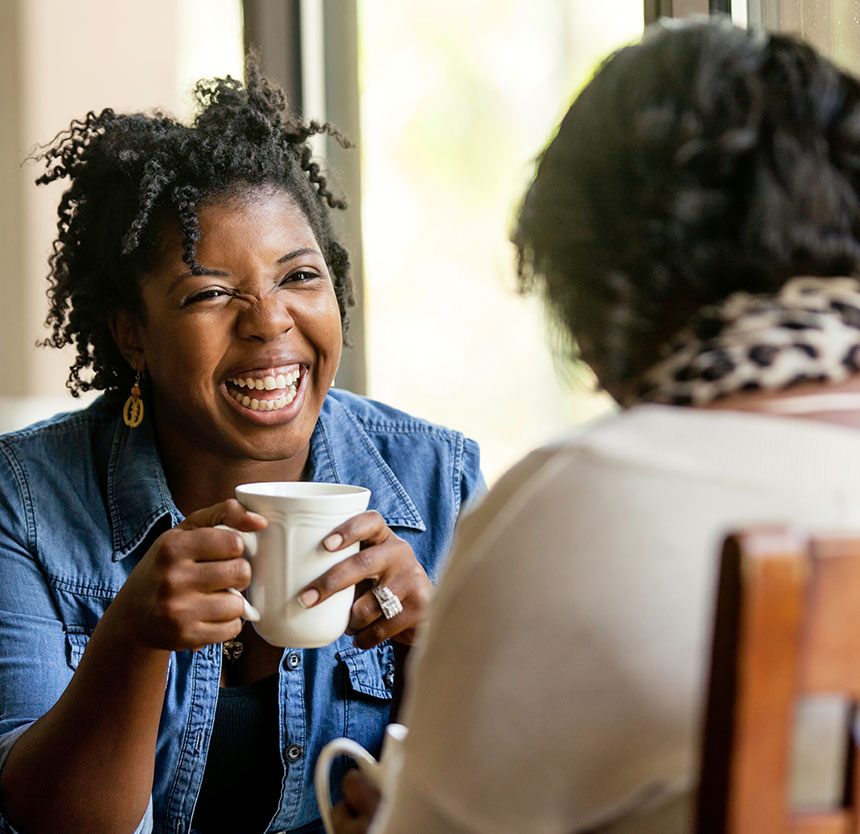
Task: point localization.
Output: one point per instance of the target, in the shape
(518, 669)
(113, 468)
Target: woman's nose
(265, 318)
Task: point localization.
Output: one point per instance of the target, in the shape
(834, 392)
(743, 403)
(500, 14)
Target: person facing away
(197, 275)
(695, 227)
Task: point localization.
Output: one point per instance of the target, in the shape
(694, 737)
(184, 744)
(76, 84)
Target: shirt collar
(341, 452)
(137, 491)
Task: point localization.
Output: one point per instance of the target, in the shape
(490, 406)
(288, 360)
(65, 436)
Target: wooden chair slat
(828, 823)
(787, 625)
(833, 630)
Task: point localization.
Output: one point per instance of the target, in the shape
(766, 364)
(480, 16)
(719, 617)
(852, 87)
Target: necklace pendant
(231, 650)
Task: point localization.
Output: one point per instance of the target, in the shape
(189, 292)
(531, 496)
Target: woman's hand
(176, 597)
(387, 560)
(361, 799)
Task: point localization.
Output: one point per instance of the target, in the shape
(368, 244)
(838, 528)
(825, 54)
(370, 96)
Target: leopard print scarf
(808, 332)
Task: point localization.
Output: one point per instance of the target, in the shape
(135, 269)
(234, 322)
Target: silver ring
(388, 601)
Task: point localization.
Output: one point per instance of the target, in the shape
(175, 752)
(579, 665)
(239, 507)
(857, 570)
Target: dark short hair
(704, 160)
(130, 174)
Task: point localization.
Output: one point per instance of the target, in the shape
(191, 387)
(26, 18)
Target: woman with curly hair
(695, 226)
(196, 273)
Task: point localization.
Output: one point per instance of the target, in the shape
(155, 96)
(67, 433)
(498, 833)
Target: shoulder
(529, 484)
(421, 474)
(397, 434)
(61, 448)
(561, 488)
(738, 449)
(63, 433)
(45, 465)
(379, 418)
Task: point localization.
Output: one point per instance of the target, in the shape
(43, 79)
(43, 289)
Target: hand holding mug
(288, 554)
(389, 562)
(356, 813)
(178, 596)
(380, 773)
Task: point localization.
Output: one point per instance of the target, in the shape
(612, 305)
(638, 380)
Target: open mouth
(268, 391)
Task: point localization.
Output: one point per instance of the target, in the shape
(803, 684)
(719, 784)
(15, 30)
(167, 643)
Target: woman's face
(240, 358)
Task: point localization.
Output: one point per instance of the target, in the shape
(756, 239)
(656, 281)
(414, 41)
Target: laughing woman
(197, 275)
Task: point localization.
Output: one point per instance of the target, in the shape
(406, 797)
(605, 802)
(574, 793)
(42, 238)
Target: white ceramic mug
(382, 773)
(288, 555)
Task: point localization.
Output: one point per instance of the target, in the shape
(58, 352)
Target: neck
(199, 478)
(828, 403)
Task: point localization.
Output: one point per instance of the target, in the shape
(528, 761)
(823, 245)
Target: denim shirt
(82, 498)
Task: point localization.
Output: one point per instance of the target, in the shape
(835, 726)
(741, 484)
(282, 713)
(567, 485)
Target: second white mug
(382, 773)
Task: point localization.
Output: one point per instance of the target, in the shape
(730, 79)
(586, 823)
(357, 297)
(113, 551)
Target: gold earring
(132, 411)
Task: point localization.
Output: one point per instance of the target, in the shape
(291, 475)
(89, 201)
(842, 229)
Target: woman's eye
(300, 276)
(205, 295)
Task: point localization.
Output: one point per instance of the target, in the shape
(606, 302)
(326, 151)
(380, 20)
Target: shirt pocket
(77, 638)
(368, 676)
(369, 672)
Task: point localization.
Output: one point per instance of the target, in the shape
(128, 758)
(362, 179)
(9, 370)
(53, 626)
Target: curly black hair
(704, 160)
(130, 174)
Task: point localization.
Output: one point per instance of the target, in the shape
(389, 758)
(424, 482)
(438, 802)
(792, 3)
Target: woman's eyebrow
(189, 274)
(203, 271)
(297, 253)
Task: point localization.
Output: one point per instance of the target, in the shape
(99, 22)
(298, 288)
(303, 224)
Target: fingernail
(333, 542)
(309, 597)
(256, 516)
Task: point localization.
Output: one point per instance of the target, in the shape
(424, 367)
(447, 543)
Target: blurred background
(449, 104)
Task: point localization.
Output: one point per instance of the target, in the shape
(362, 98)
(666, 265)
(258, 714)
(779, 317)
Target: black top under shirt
(241, 785)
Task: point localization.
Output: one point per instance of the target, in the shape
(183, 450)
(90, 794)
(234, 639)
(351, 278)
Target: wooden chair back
(787, 626)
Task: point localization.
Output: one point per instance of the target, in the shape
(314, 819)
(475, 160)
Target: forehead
(252, 222)
(254, 216)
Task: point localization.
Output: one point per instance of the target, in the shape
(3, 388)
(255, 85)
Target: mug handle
(250, 540)
(322, 774)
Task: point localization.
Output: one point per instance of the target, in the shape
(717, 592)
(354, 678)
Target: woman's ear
(126, 331)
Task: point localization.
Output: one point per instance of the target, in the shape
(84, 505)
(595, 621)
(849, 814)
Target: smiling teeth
(287, 383)
(263, 405)
(267, 383)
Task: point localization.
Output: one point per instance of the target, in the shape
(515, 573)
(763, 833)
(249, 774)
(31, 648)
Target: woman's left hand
(386, 560)
(361, 799)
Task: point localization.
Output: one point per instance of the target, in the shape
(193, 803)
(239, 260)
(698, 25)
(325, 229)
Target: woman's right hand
(176, 597)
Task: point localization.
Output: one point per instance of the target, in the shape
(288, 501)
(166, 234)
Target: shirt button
(293, 660)
(389, 678)
(294, 752)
